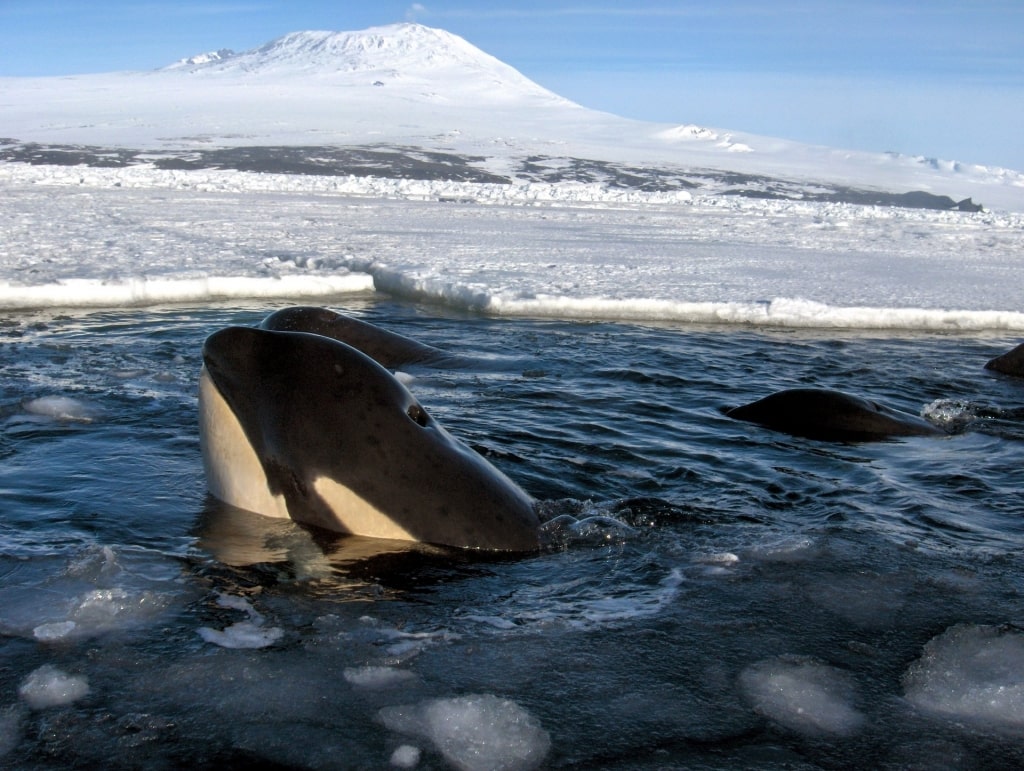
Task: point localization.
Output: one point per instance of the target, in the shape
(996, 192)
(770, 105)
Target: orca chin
(818, 413)
(301, 425)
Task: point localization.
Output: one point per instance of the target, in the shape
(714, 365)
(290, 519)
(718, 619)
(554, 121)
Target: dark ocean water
(726, 597)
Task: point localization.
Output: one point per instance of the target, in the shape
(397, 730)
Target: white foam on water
(803, 695)
(377, 677)
(48, 686)
(974, 673)
(63, 409)
(250, 634)
(479, 732)
(567, 530)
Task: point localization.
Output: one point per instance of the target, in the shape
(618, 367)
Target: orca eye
(418, 414)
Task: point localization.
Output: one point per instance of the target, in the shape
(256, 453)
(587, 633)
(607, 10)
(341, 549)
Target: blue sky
(942, 78)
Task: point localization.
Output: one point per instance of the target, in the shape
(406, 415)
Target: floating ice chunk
(972, 673)
(377, 677)
(234, 602)
(243, 635)
(105, 610)
(249, 634)
(476, 732)
(50, 687)
(802, 694)
(717, 563)
(95, 563)
(62, 408)
(410, 644)
(58, 630)
(716, 558)
(101, 606)
(405, 756)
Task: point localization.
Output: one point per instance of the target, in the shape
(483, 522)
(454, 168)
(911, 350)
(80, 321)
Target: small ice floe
(376, 678)
(497, 622)
(91, 595)
(100, 611)
(54, 631)
(405, 756)
(248, 634)
(95, 563)
(479, 732)
(48, 686)
(973, 673)
(61, 409)
(406, 645)
(803, 695)
(717, 563)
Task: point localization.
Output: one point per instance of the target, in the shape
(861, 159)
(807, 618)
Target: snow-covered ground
(81, 236)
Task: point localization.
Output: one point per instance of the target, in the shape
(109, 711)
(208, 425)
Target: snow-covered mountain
(407, 85)
(378, 56)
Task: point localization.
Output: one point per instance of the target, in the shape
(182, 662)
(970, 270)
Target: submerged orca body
(818, 413)
(299, 425)
(388, 349)
(1010, 363)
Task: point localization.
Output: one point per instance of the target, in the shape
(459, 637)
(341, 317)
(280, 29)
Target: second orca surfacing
(820, 413)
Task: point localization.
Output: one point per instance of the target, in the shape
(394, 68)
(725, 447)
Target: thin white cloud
(414, 11)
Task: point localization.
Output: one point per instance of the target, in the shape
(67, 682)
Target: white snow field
(74, 236)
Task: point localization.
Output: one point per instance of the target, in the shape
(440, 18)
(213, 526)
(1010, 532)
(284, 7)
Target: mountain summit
(397, 52)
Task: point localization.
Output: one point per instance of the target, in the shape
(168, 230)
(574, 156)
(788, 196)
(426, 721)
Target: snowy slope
(410, 85)
(396, 54)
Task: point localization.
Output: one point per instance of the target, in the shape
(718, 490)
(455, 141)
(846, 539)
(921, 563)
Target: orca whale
(300, 425)
(819, 413)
